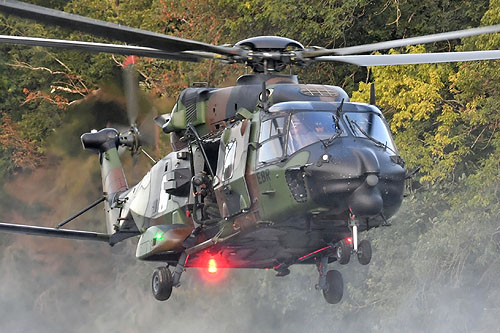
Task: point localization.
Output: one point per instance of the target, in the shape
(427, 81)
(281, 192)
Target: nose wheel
(364, 252)
(343, 252)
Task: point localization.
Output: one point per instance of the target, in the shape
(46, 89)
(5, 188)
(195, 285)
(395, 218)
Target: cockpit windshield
(309, 127)
(369, 125)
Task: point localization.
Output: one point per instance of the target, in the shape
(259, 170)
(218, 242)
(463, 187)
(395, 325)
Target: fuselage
(288, 176)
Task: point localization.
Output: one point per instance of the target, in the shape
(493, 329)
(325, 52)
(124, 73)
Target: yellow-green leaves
(415, 99)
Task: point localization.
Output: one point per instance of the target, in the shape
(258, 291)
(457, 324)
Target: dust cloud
(51, 285)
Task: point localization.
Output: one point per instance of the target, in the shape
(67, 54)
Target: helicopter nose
(366, 200)
(353, 179)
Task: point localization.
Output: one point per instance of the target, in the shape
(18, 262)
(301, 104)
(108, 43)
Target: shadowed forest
(435, 269)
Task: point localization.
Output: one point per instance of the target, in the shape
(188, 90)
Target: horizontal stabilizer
(52, 232)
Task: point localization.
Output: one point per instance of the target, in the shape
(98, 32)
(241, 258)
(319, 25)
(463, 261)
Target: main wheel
(364, 252)
(335, 287)
(343, 252)
(162, 283)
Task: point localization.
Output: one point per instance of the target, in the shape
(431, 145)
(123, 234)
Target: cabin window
(271, 140)
(229, 159)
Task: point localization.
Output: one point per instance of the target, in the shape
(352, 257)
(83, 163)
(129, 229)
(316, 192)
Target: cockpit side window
(271, 127)
(271, 140)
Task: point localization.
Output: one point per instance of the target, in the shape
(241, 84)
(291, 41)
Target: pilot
(297, 127)
(319, 128)
(300, 135)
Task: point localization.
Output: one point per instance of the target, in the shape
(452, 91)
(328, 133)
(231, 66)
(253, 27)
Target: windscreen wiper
(368, 136)
(336, 121)
(332, 138)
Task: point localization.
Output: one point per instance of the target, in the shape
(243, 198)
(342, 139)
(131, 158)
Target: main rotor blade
(403, 42)
(98, 47)
(109, 30)
(412, 59)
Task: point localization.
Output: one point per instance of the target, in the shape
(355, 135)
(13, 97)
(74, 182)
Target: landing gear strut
(363, 249)
(163, 280)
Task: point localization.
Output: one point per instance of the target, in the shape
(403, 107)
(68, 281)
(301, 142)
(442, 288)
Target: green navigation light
(159, 236)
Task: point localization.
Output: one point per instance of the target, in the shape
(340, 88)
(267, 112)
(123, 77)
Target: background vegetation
(434, 269)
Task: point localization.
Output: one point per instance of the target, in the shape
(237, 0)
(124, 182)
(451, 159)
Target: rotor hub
(131, 139)
(270, 53)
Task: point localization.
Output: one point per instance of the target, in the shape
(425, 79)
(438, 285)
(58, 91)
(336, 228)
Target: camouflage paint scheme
(278, 211)
(211, 109)
(113, 181)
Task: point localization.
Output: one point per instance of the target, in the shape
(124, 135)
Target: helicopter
(265, 174)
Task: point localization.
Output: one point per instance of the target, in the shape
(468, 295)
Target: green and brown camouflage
(314, 189)
(212, 109)
(261, 185)
(159, 205)
(113, 183)
(232, 192)
(105, 143)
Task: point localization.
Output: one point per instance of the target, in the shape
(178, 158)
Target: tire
(162, 283)
(335, 287)
(364, 252)
(343, 252)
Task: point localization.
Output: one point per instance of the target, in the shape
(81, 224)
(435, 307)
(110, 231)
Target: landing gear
(330, 282)
(163, 280)
(344, 249)
(343, 252)
(364, 248)
(335, 287)
(283, 272)
(364, 252)
(162, 283)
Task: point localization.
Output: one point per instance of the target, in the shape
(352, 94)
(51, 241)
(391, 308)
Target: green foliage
(445, 118)
(426, 121)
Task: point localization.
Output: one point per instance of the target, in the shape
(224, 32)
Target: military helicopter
(265, 174)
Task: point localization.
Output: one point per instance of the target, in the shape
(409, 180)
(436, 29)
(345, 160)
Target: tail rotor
(136, 135)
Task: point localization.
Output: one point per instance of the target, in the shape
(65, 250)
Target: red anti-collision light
(130, 61)
(349, 240)
(212, 266)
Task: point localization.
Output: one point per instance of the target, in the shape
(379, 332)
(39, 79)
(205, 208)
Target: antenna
(264, 96)
(339, 109)
(372, 94)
